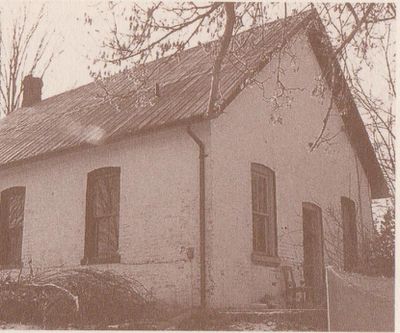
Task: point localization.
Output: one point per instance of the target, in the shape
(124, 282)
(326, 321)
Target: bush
(380, 250)
(74, 297)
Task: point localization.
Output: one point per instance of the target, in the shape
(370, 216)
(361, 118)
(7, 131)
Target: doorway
(313, 247)
(349, 234)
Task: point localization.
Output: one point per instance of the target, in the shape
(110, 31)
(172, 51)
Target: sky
(65, 17)
(70, 69)
(64, 21)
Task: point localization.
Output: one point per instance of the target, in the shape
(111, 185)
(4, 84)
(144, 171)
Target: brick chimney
(32, 90)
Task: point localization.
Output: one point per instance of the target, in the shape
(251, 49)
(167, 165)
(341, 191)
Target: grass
(76, 298)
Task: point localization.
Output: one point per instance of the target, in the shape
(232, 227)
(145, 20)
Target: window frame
(91, 255)
(268, 256)
(5, 250)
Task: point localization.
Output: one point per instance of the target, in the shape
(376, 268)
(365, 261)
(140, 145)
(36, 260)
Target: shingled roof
(109, 110)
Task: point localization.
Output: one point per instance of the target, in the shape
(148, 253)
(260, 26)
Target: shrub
(379, 252)
(73, 297)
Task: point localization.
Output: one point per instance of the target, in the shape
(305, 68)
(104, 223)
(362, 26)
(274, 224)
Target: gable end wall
(243, 134)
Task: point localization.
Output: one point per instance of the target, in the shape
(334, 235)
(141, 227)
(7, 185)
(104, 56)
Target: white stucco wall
(243, 134)
(158, 209)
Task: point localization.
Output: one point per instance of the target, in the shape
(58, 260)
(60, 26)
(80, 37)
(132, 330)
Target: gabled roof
(104, 112)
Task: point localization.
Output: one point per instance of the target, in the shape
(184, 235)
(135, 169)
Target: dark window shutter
(102, 214)
(89, 224)
(12, 220)
(3, 230)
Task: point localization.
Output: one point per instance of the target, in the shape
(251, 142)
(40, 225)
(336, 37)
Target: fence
(359, 303)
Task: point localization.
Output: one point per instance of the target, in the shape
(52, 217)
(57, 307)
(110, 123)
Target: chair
(291, 290)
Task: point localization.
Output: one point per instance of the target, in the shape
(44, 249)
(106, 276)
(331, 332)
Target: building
(200, 208)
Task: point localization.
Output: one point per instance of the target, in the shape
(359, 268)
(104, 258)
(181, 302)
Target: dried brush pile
(73, 298)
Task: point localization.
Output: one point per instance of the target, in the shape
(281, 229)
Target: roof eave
(110, 140)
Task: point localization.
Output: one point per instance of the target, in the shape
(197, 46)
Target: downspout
(202, 216)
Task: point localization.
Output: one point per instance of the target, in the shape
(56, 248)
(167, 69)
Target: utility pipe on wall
(202, 216)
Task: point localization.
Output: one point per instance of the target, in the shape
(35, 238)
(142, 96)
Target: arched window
(264, 210)
(12, 221)
(102, 215)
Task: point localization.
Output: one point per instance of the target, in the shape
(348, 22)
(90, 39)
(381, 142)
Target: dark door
(314, 272)
(350, 252)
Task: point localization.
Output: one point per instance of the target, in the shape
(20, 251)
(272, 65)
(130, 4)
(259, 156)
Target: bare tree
(379, 109)
(366, 51)
(24, 49)
(138, 34)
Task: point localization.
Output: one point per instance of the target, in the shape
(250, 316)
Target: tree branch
(354, 31)
(225, 42)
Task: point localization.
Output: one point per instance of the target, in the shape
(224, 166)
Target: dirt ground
(221, 322)
(255, 322)
(212, 321)
(5, 326)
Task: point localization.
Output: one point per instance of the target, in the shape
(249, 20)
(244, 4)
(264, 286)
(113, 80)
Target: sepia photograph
(197, 166)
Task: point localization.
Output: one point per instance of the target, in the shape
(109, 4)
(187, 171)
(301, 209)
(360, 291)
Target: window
(102, 216)
(350, 254)
(264, 210)
(12, 221)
